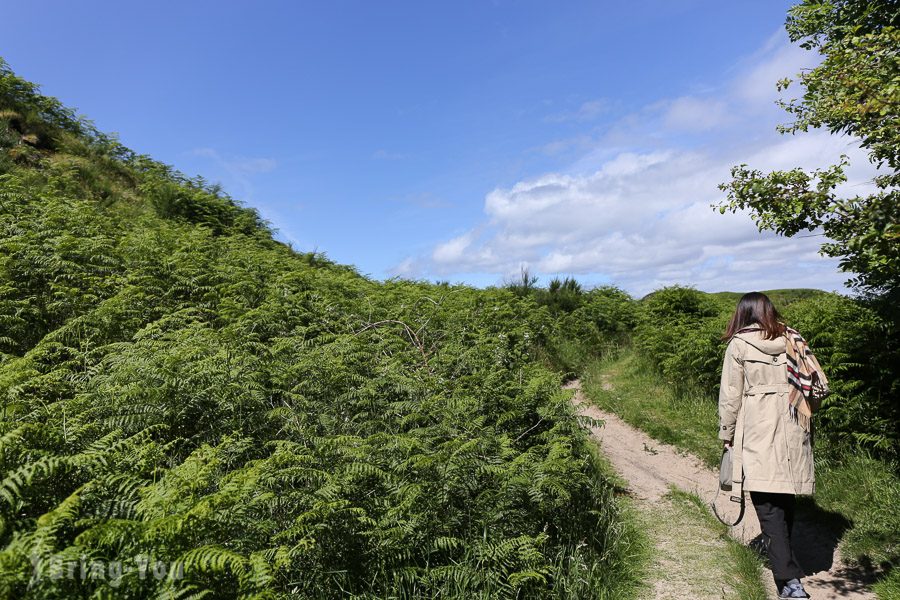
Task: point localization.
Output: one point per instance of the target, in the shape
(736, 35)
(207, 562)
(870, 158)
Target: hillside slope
(191, 407)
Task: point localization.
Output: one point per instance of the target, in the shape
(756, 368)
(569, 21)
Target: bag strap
(719, 517)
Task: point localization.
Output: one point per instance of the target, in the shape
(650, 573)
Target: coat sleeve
(731, 389)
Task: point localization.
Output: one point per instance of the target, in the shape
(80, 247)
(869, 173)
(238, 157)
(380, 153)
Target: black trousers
(776, 519)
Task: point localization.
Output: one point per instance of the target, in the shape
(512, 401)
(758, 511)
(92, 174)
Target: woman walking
(765, 416)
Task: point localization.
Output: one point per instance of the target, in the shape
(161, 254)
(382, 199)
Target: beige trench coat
(772, 453)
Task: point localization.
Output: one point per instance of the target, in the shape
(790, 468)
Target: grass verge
(694, 557)
(744, 566)
(866, 492)
(625, 567)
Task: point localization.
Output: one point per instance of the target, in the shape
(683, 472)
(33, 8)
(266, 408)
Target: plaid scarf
(808, 382)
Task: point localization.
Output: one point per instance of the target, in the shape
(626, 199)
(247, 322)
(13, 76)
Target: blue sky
(457, 140)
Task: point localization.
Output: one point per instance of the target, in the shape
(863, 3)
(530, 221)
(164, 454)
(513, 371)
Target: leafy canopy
(855, 90)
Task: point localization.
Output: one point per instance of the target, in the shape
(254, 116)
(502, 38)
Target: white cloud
(690, 113)
(407, 267)
(776, 60)
(452, 251)
(556, 147)
(635, 210)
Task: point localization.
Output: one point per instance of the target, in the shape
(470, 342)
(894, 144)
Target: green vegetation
(854, 90)
(590, 324)
(179, 388)
(634, 550)
(866, 491)
(181, 392)
(177, 384)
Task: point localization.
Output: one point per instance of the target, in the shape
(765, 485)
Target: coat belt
(767, 389)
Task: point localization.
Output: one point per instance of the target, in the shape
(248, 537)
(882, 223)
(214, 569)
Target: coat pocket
(794, 435)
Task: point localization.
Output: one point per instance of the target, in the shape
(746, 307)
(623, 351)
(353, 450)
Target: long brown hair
(755, 307)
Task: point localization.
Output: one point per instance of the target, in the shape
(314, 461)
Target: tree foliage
(855, 90)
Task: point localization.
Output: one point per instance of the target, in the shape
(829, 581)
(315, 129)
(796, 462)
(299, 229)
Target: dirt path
(651, 467)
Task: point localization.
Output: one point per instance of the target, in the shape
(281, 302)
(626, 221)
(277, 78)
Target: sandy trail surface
(650, 467)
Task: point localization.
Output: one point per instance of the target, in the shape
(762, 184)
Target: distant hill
(780, 297)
